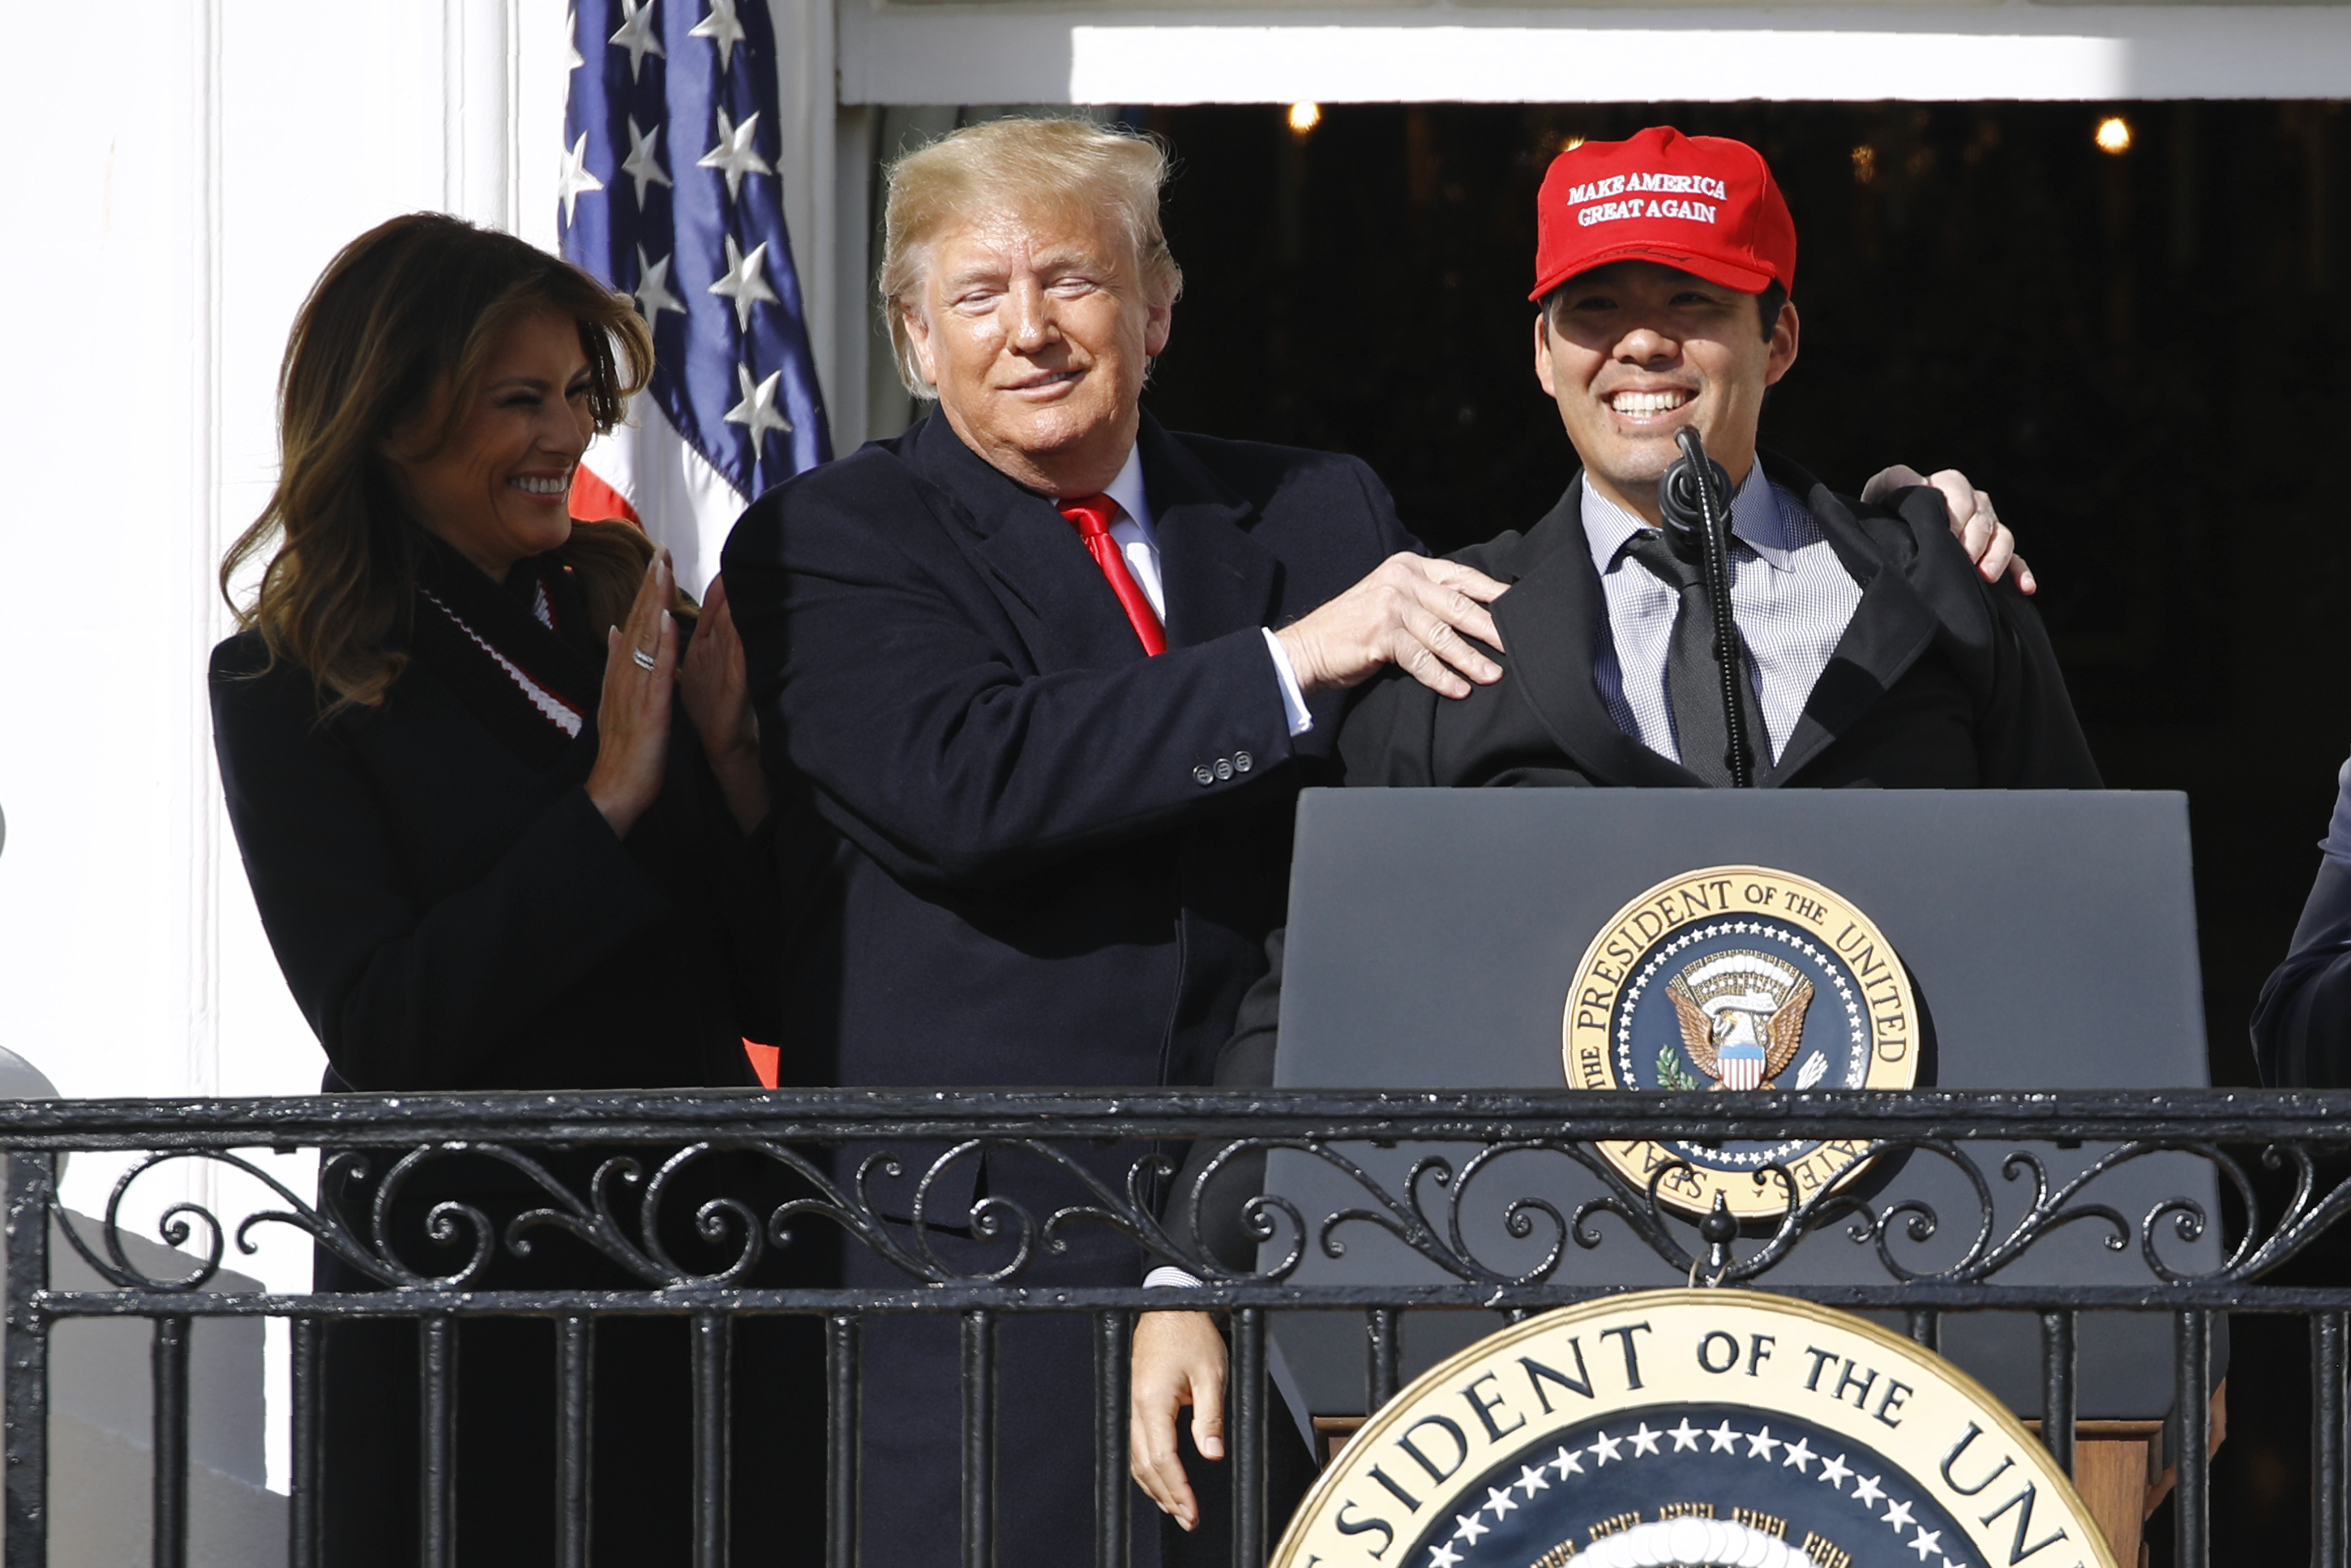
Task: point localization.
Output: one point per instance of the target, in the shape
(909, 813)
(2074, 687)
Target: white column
(805, 103)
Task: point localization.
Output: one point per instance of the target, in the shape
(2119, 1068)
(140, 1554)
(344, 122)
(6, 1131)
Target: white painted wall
(183, 202)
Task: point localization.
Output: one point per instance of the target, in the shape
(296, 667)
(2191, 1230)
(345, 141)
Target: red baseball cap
(1706, 204)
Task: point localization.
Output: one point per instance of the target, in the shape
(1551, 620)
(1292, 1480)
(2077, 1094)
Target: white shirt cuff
(1168, 1275)
(1294, 700)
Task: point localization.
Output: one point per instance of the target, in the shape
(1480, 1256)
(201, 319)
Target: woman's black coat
(452, 913)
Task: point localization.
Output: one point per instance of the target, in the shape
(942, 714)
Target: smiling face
(1035, 332)
(498, 489)
(1634, 351)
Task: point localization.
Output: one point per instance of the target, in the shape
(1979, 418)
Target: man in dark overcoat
(1875, 653)
(1055, 673)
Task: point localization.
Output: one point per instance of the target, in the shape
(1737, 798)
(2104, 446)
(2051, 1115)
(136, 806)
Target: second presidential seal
(1735, 978)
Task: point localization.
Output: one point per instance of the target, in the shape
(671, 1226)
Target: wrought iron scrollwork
(1443, 1201)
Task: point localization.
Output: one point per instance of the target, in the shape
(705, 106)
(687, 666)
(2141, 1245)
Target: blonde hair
(410, 307)
(1070, 168)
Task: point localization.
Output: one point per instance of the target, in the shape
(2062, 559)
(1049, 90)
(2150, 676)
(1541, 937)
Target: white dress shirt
(1130, 531)
(1792, 598)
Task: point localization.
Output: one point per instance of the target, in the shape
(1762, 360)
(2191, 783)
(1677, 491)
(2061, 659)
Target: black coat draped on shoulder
(450, 910)
(1941, 681)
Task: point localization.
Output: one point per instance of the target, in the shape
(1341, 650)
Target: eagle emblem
(1742, 1016)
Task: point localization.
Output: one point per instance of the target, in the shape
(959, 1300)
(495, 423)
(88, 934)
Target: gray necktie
(1693, 678)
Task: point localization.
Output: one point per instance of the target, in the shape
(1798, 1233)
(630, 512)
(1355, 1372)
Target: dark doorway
(2135, 351)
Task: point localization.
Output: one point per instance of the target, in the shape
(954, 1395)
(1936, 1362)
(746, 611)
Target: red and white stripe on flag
(643, 472)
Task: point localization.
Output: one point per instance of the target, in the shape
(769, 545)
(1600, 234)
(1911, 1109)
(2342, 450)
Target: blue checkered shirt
(1790, 594)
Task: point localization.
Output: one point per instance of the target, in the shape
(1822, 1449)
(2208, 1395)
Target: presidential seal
(1731, 980)
(1696, 1429)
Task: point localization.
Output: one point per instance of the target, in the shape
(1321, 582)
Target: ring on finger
(644, 661)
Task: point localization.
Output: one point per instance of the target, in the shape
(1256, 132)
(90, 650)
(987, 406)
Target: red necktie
(1090, 515)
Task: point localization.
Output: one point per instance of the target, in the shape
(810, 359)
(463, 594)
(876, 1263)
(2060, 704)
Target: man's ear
(1542, 354)
(918, 334)
(1782, 353)
(1157, 324)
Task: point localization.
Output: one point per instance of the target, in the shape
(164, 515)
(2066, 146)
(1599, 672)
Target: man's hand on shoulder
(1974, 524)
(1414, 612)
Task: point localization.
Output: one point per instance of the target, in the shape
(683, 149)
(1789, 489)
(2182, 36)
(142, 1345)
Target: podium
(2049, 939)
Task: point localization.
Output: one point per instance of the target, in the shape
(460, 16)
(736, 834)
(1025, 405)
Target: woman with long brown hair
(506, 826)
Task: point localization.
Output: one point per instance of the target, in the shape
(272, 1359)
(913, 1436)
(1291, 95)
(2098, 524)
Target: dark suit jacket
(1063, 855)
(1041, 888)
(450, 910)
(2302, 1026)
(1940, 681)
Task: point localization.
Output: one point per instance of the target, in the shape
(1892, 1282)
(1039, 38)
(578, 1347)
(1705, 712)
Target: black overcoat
(452, 913)
(1941, 681)
(450, 910)
(1063, 854)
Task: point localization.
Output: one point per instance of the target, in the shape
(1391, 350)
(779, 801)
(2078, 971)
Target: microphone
(1694, 487)
(1695, 496)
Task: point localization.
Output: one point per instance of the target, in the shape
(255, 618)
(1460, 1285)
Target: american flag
(669, 192)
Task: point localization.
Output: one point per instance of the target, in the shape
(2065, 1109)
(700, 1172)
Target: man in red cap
(1874, 651)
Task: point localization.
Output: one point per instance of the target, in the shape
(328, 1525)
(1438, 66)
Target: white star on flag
(758, 410)
(575, 182)
(1726, 1439)
(1531, 1481)
(733, 154)
(1469, 1526)
(1835, 1471)
(1442, 1556)
(1898, 1516)
(1606, 1448)
(745, 281)
(636, 34)
(1685, 1436)
(1569, 1461)
(642, 164)
(1760, 1444)
(1500, 1500)
(1799, 1454)
(1645, 1441)
(653, 288)
(1867, 1490)
(571, 40)
(722, 27)
(1925, 1542)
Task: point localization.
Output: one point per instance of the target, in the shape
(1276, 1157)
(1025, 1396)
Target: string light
(2114, 135)
(1864, 165)
(1305, 117)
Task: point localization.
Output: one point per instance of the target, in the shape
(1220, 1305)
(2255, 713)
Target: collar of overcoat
(1216, 579)
(1547, 620)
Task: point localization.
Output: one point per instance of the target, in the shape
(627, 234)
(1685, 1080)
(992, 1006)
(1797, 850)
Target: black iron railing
(1418, 1169)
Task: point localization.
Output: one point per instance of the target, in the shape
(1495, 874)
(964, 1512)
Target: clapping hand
(718, 695)
(632, 719)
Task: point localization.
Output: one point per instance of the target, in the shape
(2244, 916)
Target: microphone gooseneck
(1695, 496)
